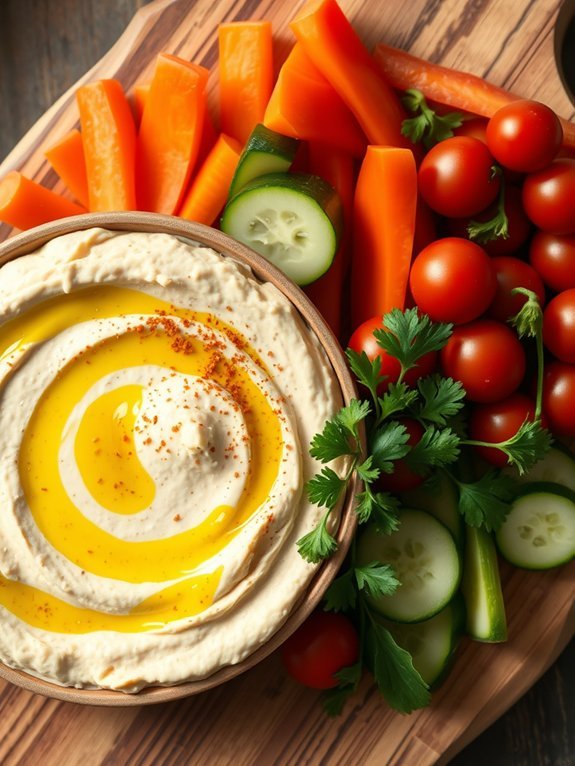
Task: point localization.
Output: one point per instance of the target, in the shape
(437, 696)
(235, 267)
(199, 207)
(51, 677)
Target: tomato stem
(529, 322)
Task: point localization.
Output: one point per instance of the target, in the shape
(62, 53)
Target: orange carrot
(246, 75)
(304, 105)
(384, 221)
(336, 167)
(139, 96)
(209, 190)
(170, 133)
(334, 47)
(456, 89)
(67, 159)
(208, 139)
(24, 203)
(109, 138)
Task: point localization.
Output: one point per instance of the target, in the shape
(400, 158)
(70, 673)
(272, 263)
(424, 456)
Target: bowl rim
(29, 241)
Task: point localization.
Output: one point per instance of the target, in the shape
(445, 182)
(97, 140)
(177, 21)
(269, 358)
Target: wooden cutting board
(262, 717)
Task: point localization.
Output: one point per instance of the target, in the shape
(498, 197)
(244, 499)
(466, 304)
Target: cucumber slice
(557, 466)
(481, 587)
(292, 219)
(442, 501)
(432, 643)
(265, 152)
(539, 532)
(425, 558)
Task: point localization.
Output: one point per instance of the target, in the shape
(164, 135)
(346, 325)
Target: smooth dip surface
(157, 404)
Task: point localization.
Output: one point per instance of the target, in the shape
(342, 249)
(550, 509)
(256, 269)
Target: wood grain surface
(262, 717)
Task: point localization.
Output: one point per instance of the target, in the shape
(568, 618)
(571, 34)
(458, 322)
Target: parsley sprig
(496, 227)
(427, 126)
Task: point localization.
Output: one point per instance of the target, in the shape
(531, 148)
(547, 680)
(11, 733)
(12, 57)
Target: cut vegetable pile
(440, 208)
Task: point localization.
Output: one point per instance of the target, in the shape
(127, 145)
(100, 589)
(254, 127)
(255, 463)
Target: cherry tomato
(475, 128)
(559, 326)
(553, 257)
(425, 227)
(510, 273)
(404, 477)
(323, 645)
(558, 397)
(364, 340)
(548, 197)
(519, 226)
(524, 135)
(456, 179)
(488, 359)
(497, 422)
(452, 280)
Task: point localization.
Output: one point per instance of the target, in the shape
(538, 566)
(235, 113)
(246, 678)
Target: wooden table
(45, 46)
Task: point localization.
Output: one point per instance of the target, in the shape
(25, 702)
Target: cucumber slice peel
(539, 532)
(426, 561)
(265, 152)
(293, 220)
(486, 620)
(558, 466)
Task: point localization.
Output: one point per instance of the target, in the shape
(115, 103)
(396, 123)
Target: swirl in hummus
(157, 403)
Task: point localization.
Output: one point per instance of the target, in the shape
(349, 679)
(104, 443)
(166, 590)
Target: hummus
(157, 404)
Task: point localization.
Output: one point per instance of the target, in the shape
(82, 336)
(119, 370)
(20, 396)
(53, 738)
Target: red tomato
(364, 340)
(524, 135)
(323, 645)
(497, 422)
(553, 257)
(488, 359)
(519, 226)
(510, 273)
(452, 280)
(456, 179)
(558, 397)
(475, 128)
(403, 477)
(548, 197)
(559, 326)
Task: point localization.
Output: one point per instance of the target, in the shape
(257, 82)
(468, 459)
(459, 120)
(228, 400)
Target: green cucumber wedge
(294, 220)
(265, 152)
(432, 643)
(539, 532)
(558, 466)
(426, 562)
(486, 620)
(441, 500)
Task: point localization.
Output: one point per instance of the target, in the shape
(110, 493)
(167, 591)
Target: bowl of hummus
(160, 386)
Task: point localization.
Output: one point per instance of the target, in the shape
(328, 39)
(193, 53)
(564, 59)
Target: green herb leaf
(392, 667)
(382, 508)
(334, 441)
(496, 227)
(333, 700)
(349, 417)
(389, 443)
(436, 448)
(350, 675)
(408, 336)
(325, 488)
(366, 370)
(485, 503)
(442, 399)
(398, 397)
(529, 319)
(318, 544)
(527, 446)
(376, 579)
(427, 126)
(366, 472)
(341, 594)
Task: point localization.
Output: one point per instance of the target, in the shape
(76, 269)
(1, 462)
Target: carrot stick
(384, 221)
(327, 293)
(304, 105)
(170, 133)
(456, 89)
(67, 159)
(109, 138)
(209, 190)
(246, 75)
(24, 203)
(334, 47)
(139, 96)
